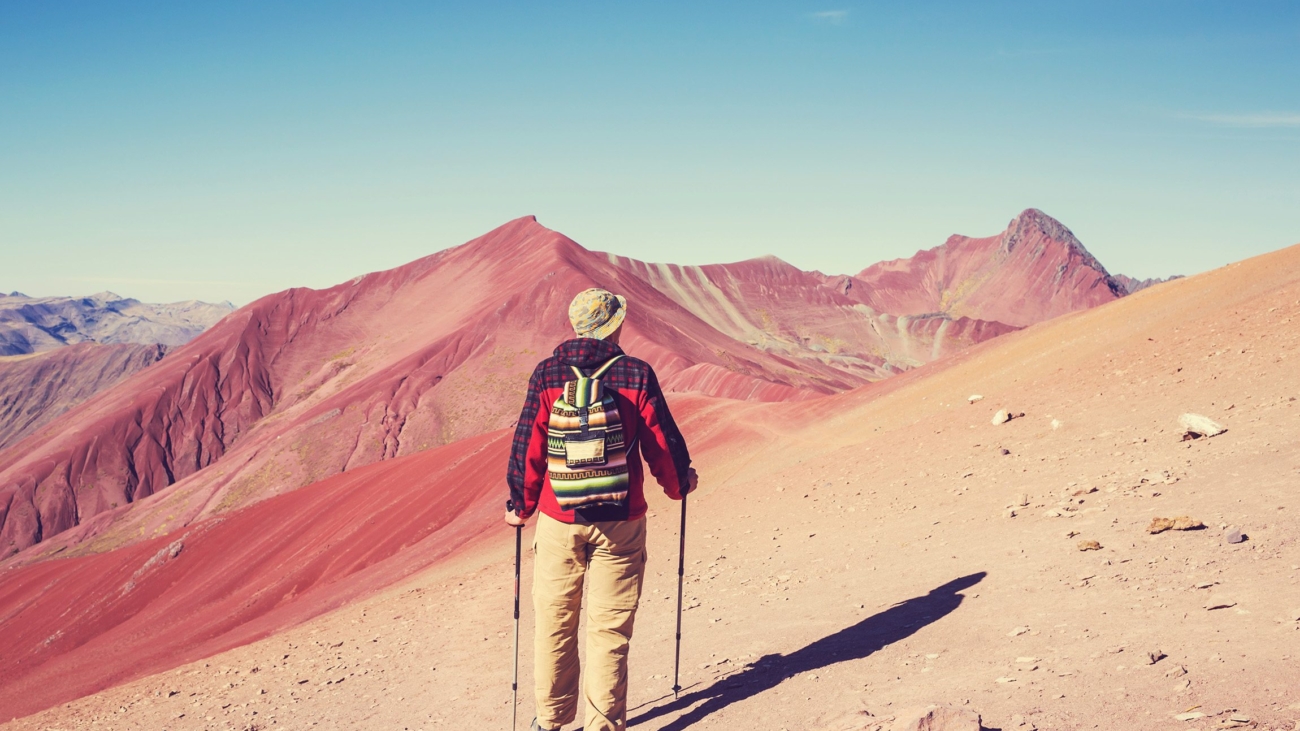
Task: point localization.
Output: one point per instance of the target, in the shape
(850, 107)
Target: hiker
(591, 413)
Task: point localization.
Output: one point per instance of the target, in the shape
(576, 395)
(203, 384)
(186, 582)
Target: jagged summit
(1033, 271)
(1031, 222)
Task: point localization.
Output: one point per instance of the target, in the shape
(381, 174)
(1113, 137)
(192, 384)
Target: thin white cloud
(1264, 120)
(833, 17)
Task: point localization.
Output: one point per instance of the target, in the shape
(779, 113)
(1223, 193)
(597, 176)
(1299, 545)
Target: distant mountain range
(303, 384)
(37, 324)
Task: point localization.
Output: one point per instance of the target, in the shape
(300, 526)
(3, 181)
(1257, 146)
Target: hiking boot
(537, 727)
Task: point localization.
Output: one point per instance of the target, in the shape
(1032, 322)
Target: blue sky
(223, 151)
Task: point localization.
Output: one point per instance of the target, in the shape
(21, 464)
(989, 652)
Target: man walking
(591, 413)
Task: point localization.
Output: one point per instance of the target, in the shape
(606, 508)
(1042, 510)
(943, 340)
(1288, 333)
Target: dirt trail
(857, 555)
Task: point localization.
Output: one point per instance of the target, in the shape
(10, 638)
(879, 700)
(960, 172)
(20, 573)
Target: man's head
(596, 313)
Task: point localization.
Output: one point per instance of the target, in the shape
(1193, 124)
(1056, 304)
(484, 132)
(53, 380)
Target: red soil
(74, 626)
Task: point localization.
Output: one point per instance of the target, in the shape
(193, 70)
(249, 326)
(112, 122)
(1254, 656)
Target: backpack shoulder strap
(587, 390)
(601, 371)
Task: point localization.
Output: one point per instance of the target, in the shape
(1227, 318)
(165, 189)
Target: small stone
(1089, 546)
(1154, 657)
(1176, 671)
(1024, 500)
(1182, 522)
(1001, 417)
(1023, 660)
(1219, 603)
(1189, 716)
(1056, 424)
(1017, 631)
(1009, 513)
(1234, 535)
(1196, 426)
(973, 398)
(1004, 451)
(1052, 514)
(939, 718)
(1006, 680)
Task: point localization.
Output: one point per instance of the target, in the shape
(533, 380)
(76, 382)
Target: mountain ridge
(304, 383)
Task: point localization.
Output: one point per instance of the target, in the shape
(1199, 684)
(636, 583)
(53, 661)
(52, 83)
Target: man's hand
(692, 480)
(514, 521)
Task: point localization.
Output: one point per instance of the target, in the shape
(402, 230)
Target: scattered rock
(1017, 631)
(1219, 602)
(1234, 535)
(1056, 424)
(1001, 417)
(1189, 716)
(1196, 426)
(939, 718)
(1176, 671)
(1182, 522)
(1023, 501)
(1089, 546)
(975, 397)
(1004, 451)
(1155, 656)
(1010, 513)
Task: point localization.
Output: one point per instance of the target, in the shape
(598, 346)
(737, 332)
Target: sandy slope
(854, 553)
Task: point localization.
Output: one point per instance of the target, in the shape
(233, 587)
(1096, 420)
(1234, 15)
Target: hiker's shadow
(851, 643)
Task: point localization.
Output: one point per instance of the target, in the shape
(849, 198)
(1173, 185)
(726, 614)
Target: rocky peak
(1034, 224)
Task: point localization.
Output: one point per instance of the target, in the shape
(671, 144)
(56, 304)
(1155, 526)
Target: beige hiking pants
(610, 558)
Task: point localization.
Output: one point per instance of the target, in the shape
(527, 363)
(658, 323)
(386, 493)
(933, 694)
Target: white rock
(975, 397)
(1001, 417)
(1197, 425)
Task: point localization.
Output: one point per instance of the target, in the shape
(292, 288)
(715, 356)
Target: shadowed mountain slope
(34, 389)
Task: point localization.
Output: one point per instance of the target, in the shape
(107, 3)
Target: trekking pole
(681, 573)
(514, 683)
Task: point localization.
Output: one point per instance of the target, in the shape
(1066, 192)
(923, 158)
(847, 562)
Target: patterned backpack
(585, 450)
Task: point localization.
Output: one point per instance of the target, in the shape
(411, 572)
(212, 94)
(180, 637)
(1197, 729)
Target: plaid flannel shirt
(652, 432)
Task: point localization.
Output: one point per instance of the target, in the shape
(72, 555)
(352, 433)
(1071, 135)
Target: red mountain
(304, 384)
(1033, 271)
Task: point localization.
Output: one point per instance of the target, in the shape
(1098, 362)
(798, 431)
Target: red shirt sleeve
(661, 443)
